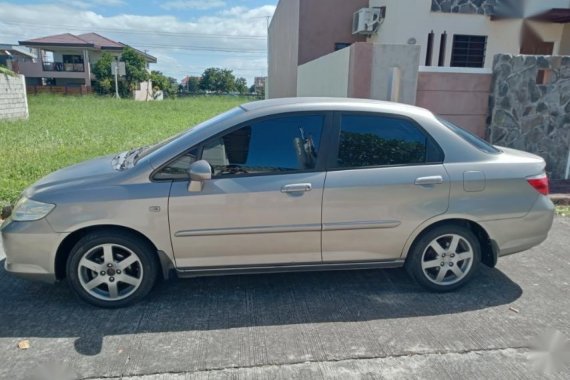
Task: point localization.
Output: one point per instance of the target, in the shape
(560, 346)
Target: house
(304, 30)
(448, 33)
(66, 59)
(498, 68)
(11, 55)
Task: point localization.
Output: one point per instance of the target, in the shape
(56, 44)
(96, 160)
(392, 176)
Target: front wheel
(111, 269)
(444, 258)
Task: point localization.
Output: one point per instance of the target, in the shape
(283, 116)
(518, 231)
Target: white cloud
(182, 47)
(192, 4)
(84, 4)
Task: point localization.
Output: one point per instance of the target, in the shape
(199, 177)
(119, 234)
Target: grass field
(65, 130)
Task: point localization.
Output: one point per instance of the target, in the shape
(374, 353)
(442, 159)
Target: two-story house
(447, 33)
(66, 59)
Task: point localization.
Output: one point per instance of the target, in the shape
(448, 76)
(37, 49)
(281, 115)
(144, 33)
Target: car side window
(178, 169)
(369, 141)
(278, 145)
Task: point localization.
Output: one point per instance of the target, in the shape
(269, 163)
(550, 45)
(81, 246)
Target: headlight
(27, 210)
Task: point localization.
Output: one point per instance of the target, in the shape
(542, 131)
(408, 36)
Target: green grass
(563, 211)
(65, 130)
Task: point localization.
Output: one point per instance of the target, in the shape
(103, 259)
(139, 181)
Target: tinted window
(277, 145)
(179, 168)
(383, 141)
(476, 141)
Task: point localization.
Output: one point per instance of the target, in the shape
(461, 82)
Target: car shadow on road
(215, 303)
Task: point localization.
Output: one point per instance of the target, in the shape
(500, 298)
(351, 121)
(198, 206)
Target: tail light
(540, 184)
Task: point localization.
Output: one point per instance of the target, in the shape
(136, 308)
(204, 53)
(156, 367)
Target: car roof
(340, 104)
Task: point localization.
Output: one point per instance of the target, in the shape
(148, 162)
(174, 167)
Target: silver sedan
(283, 185)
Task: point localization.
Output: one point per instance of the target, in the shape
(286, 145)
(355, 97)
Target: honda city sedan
(283, 185)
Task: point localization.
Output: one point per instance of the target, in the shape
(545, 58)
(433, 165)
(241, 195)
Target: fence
(60, 90)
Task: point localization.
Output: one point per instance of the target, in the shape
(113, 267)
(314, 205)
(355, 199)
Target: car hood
(79, 175)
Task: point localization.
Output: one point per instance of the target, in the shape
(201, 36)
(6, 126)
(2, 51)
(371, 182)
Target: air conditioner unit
(366, 20)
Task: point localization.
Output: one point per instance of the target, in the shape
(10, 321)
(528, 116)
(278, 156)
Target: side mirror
(199, 172)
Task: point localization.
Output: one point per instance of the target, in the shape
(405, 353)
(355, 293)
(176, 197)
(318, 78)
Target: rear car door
(385, 177)
(263, 203)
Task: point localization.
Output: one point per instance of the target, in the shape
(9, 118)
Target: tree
(135, 65)
(218, 80)
(103, 74)
(193, 85)
(241, 86)
(160, 81)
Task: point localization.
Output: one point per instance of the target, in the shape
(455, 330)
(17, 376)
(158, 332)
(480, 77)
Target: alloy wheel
(447, 259)
(110, 272)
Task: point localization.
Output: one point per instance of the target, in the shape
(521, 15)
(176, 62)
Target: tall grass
(65, 130)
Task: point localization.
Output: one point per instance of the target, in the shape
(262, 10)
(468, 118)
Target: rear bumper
(30, 249)
(518, 235)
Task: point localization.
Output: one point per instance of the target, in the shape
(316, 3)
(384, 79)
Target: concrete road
(370, 324)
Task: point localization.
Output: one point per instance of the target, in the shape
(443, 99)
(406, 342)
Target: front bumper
(518, 235)
(30, 249)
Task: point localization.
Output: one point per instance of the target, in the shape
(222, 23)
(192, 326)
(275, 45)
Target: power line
(143, 32)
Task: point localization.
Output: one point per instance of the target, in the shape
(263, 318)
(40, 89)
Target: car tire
(112, 269)
(444, 258)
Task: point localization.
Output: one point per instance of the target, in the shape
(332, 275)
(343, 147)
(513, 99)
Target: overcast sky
(186, 36)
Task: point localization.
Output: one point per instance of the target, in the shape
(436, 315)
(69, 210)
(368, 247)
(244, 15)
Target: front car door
(385, 178)
(263, 203)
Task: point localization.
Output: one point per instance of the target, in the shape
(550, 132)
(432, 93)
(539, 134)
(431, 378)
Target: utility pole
(117, 78)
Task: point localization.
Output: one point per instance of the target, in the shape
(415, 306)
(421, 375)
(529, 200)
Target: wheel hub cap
(447, 259)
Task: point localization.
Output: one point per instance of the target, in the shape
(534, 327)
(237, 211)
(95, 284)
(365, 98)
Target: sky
(187, 36)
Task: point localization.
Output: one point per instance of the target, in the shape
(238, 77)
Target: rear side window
(369, 140)
(476, 141)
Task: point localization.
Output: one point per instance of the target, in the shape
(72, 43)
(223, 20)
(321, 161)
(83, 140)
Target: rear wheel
(444, 258)
(111, 269)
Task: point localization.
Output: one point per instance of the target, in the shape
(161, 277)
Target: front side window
(178, 169)
(369, 141)
(279, 145)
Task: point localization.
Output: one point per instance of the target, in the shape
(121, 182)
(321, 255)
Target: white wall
(13, 98)
(400, 85)
(406, 19)
(326, 76)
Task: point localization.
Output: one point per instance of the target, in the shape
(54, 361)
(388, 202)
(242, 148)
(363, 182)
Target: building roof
(100, 41)
(556, 15)
(85, 40)
(65, 39)
(8, 49)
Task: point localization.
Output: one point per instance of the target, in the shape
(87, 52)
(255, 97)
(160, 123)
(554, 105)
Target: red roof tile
(99, 40)
(58, 39)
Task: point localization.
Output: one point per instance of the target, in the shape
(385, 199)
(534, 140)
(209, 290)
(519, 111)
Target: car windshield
(130, 158)
(472, 139)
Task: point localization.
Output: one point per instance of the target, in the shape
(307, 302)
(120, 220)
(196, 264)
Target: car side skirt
(286, 268)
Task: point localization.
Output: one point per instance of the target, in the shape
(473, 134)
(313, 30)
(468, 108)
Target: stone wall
(13, 99)
(482, 7)
(530, 106)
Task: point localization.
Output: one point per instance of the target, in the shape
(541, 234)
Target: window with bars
(468, 51)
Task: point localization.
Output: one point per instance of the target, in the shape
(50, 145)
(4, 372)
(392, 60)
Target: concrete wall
(324, 23)
(283, 54)
(13, 98)
(385, 81)
(457, 94)
(326, 76)
(532, 116)
(412, 19)
(565, 43)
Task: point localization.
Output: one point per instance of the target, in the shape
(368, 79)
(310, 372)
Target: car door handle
(435, 180)
(297, 188)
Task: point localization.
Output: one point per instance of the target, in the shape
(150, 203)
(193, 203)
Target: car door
(385, 178)
(263, 203)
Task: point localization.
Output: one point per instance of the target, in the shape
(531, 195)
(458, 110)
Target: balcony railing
(64, 67)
